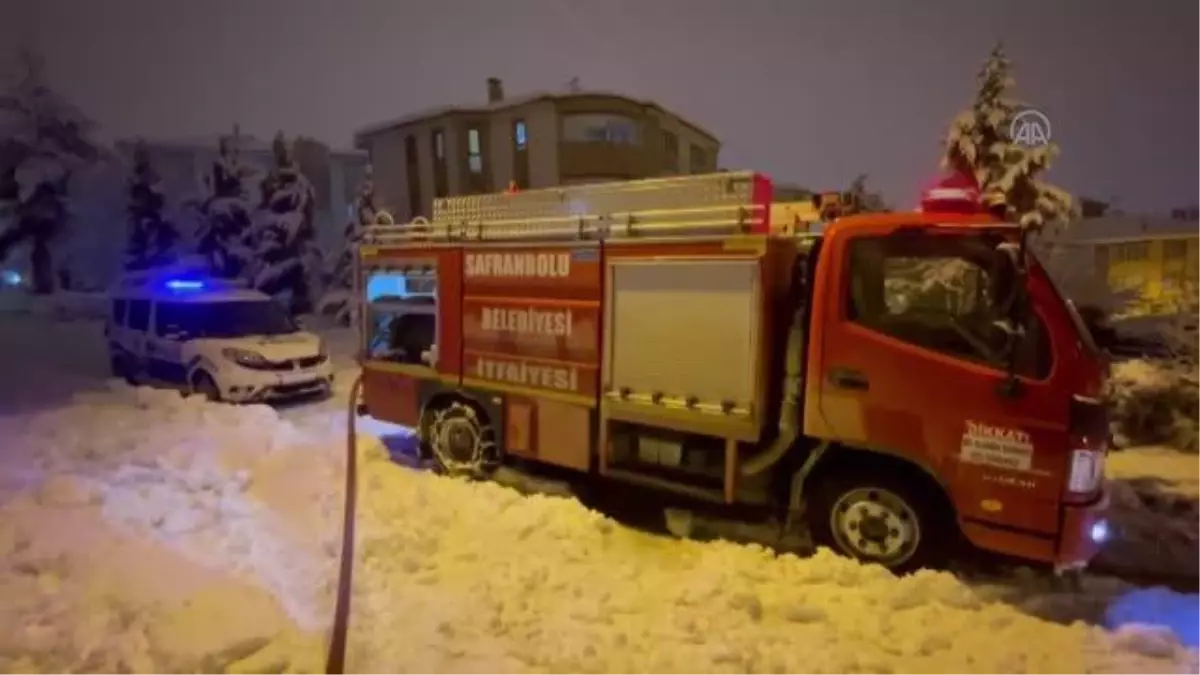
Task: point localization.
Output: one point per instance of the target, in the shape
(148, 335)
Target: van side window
(941, 294)
(139, 314)
(118, 312)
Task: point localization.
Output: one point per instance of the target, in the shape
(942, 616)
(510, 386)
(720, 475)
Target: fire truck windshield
(1082, 331)
(946, 290)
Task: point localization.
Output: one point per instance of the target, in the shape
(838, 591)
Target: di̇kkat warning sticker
(1001, 447)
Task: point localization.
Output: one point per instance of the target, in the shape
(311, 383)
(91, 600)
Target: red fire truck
(900, 379)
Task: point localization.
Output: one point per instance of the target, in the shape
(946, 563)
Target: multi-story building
(1148, 263)
(535, 140)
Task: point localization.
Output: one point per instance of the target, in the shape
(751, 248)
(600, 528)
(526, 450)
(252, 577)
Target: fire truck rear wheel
(460, 438)
(878, 517)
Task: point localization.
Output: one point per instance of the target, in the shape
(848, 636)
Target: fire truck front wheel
(460, 438)
(878, 517)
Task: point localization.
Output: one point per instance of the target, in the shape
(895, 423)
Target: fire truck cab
(899, 379)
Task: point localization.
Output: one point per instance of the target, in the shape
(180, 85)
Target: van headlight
(1087, 471)
(244, 357)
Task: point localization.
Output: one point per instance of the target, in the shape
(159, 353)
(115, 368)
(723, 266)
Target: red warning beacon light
(957, 192)
(512, 188)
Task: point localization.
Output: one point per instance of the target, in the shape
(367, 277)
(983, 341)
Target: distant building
(335, 174)
(93, 247)
(790, 192)
(535, 140)
(1151, 259)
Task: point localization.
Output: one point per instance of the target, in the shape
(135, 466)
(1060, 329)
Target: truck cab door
(906, 360)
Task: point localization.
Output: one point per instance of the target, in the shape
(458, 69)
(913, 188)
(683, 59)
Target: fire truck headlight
(1100, 532)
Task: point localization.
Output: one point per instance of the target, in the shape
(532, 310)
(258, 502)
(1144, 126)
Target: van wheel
(203, 384)
(878, 517)
(460, 438)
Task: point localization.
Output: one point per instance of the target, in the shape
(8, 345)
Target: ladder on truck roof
(709, 204)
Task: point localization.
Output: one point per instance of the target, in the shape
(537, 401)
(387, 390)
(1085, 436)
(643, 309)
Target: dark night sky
(812, 92)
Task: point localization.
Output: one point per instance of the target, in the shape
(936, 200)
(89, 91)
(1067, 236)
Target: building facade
(537, 140)
(1149, 263)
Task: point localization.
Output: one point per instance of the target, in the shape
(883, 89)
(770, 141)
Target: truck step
(693, 491)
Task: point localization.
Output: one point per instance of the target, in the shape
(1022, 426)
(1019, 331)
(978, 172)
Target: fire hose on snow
(335, 663)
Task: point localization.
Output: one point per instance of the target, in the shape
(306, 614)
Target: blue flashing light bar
(184, 285)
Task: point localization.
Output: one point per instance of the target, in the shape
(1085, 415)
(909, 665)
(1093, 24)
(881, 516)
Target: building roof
(246, 143)
(1122, 228)
(511, 102)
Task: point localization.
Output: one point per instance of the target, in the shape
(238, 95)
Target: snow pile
(458, 576)
(1156, 402)
(1154, 512)
(144, 531)
(203, 491)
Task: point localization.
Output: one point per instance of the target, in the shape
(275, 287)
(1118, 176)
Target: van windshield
(222, 319)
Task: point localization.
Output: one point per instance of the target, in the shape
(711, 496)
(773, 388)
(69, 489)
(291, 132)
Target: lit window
(474, 153)
(519, 134)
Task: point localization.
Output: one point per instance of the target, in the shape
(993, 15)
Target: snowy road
(141, 531)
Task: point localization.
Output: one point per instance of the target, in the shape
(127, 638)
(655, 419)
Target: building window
(477, 171)
(520, 135)
(697, 160)
(671, 151)
(474, 151)
(891, 294)
(1131, 252)
(441, 175)
(600, 128)
(520, 154)
(412, 171)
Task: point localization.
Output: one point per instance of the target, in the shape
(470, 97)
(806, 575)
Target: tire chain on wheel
(483, 451)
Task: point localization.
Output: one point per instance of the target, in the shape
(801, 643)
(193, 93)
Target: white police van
(211, 337)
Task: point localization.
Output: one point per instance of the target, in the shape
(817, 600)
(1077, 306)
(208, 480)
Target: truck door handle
(847, 378)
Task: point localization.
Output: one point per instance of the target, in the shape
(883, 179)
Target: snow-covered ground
(141, 531)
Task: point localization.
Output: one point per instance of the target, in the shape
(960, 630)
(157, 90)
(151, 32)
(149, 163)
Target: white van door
(164, 346)
(137, 325)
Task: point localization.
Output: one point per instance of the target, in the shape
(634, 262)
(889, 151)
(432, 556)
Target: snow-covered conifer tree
(152, 237)
(288, 261)
(1007, 172)
(44, 139)
(225, 214)
(337, 300)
